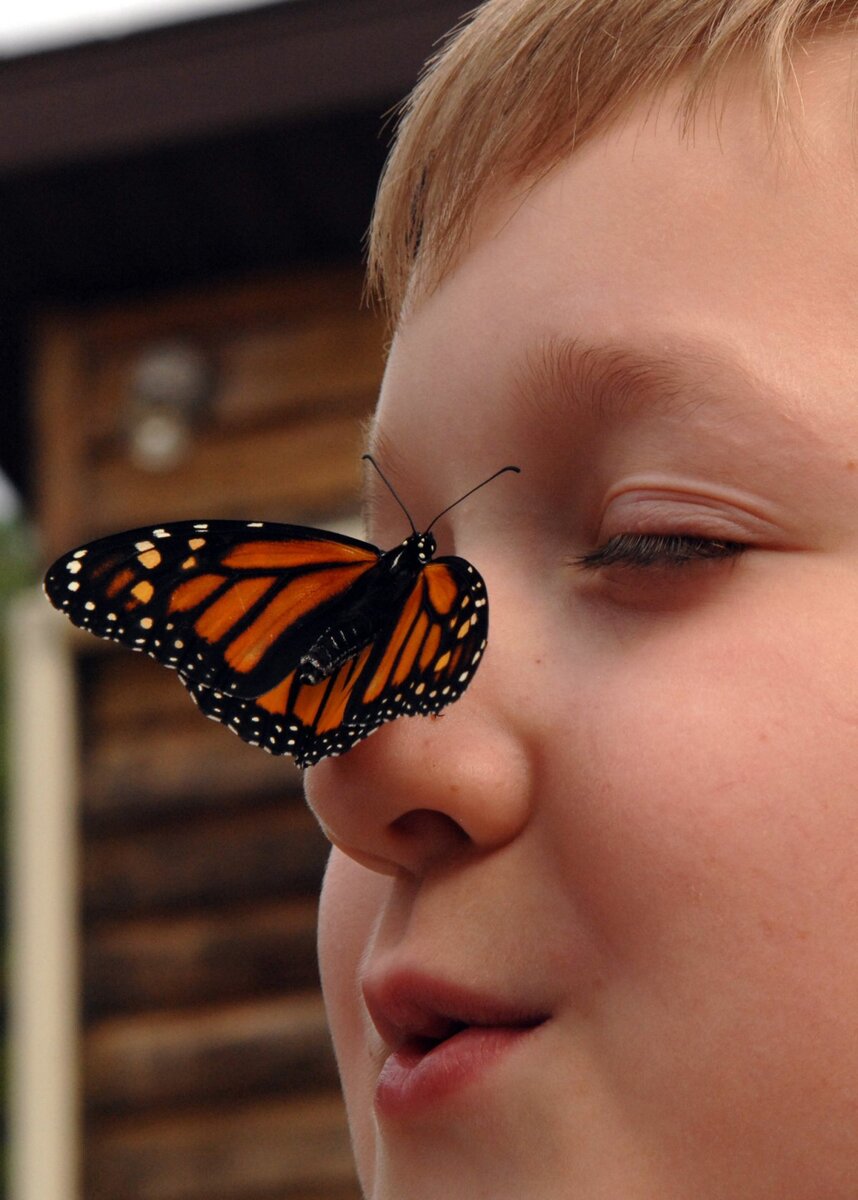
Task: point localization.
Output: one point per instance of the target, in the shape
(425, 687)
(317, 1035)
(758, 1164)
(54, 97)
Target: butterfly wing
(230, 605)
(421, 660)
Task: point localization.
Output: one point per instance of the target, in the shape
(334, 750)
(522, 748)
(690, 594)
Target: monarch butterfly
(302, 641)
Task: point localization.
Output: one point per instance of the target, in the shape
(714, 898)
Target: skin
(642, 817)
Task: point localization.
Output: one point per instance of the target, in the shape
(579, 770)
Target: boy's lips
(440, 1036)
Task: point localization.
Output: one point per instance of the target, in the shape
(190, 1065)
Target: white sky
(41, 24)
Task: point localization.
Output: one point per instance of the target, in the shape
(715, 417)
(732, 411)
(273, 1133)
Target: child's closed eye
(658, 550)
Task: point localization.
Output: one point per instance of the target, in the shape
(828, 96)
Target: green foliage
(16, 557)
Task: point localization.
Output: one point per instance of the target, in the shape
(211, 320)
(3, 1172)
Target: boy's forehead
(645, 234)
(730, 145)
(644, 239)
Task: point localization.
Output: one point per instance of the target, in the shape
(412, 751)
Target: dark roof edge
(282, 60)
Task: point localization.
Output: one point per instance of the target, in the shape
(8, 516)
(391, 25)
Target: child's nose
(422, 790)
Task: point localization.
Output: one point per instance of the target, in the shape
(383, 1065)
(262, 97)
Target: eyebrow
(611, 380)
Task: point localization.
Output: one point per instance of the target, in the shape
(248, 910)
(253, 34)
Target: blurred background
(184, 190)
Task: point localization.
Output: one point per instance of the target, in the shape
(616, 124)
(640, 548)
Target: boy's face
(641, 821)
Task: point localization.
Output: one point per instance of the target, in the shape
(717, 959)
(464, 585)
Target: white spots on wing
(74, 567)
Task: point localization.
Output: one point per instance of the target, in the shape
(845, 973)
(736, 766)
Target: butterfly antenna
(502, 471)
(391, 489)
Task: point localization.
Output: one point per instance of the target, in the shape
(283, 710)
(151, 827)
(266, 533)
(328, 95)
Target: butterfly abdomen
(373, 600)
(335, 647)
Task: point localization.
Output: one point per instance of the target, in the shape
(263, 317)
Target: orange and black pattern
(301, 641)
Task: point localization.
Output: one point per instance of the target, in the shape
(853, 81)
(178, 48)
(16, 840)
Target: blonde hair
(521, 83)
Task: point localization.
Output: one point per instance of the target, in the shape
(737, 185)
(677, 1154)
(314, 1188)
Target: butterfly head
(425, 546)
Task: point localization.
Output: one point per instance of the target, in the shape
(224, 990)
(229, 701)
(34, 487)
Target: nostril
(429, 826)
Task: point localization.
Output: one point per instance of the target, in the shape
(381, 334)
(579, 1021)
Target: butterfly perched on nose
(300, 640)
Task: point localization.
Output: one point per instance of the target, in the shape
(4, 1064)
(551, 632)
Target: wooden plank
(316, 364)
(274, 1148)
(125, 691)
(134, 775)
(272, 852)
(312, 466)
(60, 374)
(260, 373)
(199, 865)
(217, 312)
(228, 1052)
(175, 961)
(299, 343)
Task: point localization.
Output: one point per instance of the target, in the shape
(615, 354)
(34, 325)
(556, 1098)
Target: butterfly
(300, 640)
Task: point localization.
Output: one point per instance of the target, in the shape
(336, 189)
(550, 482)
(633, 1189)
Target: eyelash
(658, 550)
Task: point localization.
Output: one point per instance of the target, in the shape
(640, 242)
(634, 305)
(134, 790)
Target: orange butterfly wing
(227, 604)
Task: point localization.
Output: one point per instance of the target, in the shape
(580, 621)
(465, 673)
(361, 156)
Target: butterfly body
(302, 641)
(367, 607)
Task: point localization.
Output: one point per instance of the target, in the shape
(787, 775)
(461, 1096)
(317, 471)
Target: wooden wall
(207, 1072)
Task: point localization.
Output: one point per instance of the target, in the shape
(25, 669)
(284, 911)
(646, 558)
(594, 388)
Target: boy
(594, 933)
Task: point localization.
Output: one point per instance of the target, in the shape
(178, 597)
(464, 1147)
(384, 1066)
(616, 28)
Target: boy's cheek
(351, 901)
(352, 898)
